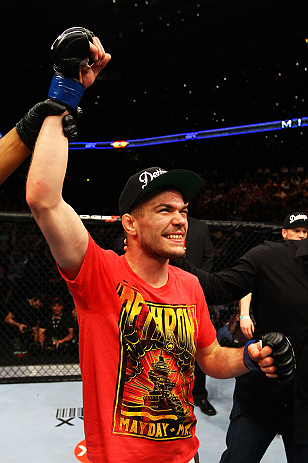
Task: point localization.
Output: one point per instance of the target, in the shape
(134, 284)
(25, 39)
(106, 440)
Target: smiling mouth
(174, 237)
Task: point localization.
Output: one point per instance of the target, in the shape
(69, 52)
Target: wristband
(250, 364)
(66, 90)
(244, 317)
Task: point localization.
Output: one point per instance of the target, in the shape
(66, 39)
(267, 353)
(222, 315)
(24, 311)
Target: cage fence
(31, 289)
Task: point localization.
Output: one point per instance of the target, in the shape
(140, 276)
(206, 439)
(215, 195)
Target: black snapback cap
(147, 180)
(295, 219)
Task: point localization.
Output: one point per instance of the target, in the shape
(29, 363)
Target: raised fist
(71, 53)
(71, 50)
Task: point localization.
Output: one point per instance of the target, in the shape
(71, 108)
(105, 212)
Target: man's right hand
(21, 327)
(71, 53)
(100, 59)
(263, 356)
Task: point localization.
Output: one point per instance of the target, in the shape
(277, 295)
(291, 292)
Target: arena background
(177, 67)
(32, 270)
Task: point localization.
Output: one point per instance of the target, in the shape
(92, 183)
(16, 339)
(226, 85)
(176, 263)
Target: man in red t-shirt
(143, 323)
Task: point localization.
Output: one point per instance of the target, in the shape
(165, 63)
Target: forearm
(70, 335)
(11, 321)
(244, 305)
(66, 339)
(65, 233)
(48, 166)
(12, 153)
(223, 362)
(246, 323)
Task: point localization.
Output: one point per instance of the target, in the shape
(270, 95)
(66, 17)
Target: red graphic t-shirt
(137, 357)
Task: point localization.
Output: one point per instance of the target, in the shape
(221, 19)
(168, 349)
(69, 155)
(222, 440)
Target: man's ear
(284, 233)
(129, 224)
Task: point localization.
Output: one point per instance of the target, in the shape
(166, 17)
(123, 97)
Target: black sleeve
(227, 285)
(67, 323)
(208, 251)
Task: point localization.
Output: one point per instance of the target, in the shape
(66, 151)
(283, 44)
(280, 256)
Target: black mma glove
(29, 126)
(69, 123)
(69, 51)
(283, 355)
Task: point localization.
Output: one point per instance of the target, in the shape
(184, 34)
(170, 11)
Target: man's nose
(179, 218)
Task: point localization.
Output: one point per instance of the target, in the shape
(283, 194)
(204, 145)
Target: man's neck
(150, 269)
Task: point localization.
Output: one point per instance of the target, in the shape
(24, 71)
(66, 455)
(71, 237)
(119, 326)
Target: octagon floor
(42, 422)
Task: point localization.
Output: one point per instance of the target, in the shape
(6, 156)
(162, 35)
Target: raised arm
(65, 233)
(18, 144)
(12, 153)
(60, 224)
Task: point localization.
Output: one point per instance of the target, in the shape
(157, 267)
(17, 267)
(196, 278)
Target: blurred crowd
(263, 195)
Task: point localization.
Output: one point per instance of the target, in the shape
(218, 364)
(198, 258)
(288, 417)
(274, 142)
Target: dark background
(177, 66)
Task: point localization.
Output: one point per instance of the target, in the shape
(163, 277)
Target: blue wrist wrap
(66, 90)
(250, 364)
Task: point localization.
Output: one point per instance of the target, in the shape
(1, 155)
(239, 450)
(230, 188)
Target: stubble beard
(155, 251)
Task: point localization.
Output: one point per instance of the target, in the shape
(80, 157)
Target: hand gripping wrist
(69, 123)
(248, 362)
(29, 126)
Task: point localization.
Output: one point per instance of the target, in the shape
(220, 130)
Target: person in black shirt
(57, 330)
(6, 292)
(27, 316)
(295, 227)
(277, 275)
(200, 252)
(27, 313)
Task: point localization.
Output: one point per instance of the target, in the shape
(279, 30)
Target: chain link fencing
(32, 291)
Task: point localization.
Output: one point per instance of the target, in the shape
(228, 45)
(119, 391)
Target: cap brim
(188, 183)
(295, 225)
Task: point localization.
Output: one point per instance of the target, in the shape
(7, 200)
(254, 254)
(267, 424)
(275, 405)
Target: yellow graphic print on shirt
(156, 368)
